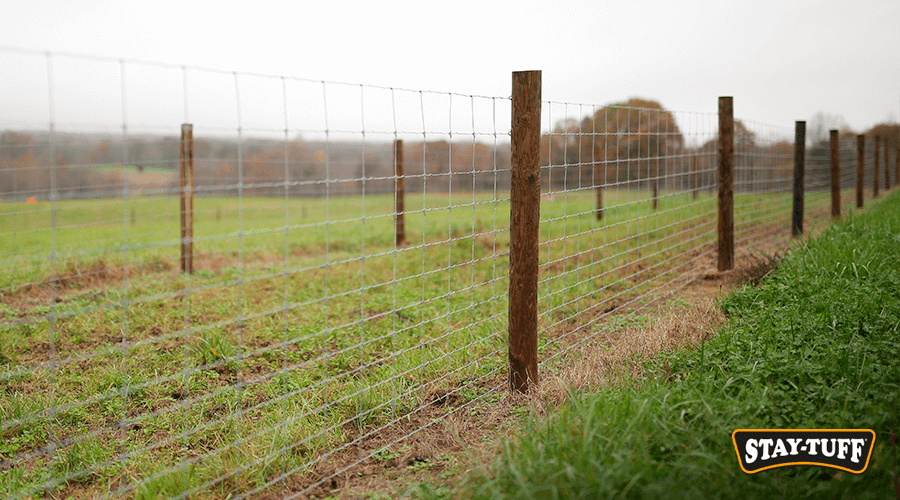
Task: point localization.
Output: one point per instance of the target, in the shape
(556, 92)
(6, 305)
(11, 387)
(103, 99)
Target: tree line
(626, 144)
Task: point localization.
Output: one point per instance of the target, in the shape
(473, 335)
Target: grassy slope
(815, 346)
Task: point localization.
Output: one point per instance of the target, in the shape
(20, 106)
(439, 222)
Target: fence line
(356, 262)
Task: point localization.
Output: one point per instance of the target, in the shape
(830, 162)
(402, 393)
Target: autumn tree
(746, 155)
(629, 142)
(887, 131)
(821, 125)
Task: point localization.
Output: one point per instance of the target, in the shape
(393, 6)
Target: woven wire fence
(312, 327)
(628, 213)
(818, 178)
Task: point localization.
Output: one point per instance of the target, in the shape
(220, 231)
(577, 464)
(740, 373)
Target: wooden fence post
(525, 215)
(399, 194)
(875, 182)
(726, 183)
(860, 158)
(187, 198)
(799, 174)
(835, 175)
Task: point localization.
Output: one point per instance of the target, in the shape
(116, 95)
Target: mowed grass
(302, 327)
(815, 346)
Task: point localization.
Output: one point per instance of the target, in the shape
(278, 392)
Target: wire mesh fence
(311, 326)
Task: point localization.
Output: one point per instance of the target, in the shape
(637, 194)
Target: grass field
(133, 169)
(814, 347)
(303, 326)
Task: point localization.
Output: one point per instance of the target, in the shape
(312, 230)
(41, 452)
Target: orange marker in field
(31, 200)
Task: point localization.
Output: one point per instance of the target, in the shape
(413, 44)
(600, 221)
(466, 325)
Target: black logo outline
(809, 433)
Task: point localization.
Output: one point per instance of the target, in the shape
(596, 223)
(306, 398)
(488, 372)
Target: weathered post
(525, 215)
(875, 181)
(835, 175)
(799, 173)
(726, 183)
(187, 198)
(860, 158)
(399, 194)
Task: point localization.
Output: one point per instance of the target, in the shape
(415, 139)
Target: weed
(166, 485)
(77, 462)
(213, 347)
(418, 465)
(385, 455)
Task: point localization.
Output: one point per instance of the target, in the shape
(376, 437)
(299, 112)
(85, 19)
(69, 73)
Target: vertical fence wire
(764, 164)
(646, 251)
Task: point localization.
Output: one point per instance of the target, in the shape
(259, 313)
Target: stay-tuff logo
(845, 449)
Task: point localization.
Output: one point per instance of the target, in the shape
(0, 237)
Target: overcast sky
(781, 60)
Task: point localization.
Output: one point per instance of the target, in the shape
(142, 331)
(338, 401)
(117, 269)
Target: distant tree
(628, 139)
(820, 126)
(887, 131)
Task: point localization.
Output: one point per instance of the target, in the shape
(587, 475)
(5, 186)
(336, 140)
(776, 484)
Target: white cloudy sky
(781, 60)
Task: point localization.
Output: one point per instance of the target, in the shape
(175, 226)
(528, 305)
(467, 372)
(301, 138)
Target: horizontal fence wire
(628, 212)
(310, 337)
(763, 182)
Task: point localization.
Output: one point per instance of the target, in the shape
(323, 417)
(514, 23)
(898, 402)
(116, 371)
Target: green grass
(133, 169)
(814, 346)
(301, 328)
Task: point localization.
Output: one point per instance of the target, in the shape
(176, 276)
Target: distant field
(134, 169)
(147, 228)
(303, 324)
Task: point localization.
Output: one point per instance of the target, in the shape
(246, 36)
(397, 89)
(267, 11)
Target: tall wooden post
(860, 158)
(187, 198)
(799, 173)
(877, 165)
(726, 183)
(525, 216)
(835, 175)
(399, 194)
